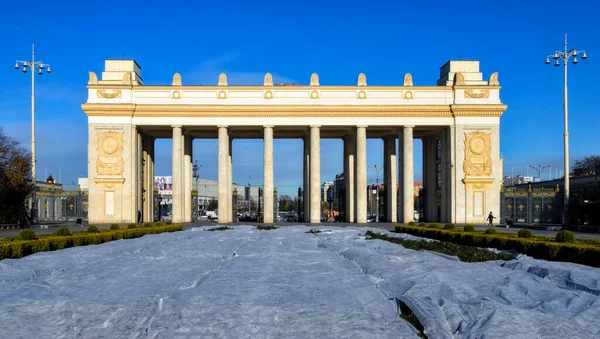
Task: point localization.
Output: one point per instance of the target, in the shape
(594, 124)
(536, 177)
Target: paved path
(388, 226)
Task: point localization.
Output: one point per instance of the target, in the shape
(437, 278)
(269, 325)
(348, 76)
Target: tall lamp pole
(540, 169)
(377, 170)
(25, 65)
(565, 56)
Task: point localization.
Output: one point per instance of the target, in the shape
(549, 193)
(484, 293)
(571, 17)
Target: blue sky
(292, 39)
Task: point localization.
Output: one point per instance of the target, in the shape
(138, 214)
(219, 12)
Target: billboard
(163, 183)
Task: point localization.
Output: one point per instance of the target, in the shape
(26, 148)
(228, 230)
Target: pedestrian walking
(490, 219)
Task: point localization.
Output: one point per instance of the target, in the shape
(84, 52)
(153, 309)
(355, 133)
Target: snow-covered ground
(285, 283)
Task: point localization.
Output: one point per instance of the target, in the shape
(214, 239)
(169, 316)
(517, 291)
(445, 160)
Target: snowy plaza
(286, 283)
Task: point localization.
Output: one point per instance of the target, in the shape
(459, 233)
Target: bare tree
(589, 165)
(15, 179)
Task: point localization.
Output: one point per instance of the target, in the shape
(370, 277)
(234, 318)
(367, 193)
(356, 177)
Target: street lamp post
(539, 169)
(565, 56)
(377, 170)
(24, 65)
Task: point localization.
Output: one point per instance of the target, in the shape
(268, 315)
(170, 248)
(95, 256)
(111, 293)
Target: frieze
(477, 93)
(543, 194)
(109, 93)
(515, 194)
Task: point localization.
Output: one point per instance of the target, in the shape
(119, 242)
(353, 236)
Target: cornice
(146, 88)
(276, 88)
(292, 111)
(481, 110)
(489, 87)
(265, 111)
(425, 111)
(111, 110)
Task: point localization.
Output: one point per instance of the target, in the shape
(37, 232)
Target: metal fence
(531, 206)
(61, 205)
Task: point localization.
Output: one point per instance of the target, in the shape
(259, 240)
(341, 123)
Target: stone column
(444, 189)
(223, 202)
(429, 184)
(425, 176)
(268, 174)
(148, 183)
(151, 179)
(306, 181)
(451, 174)
(181, 180)
(349, 178)
(315, 174)
(386, 177)
(361, 174)
(230, 181)
(178, 173)
(139, 175)
(400, 192)
(187, 163)
(408, 182)
(390, 188)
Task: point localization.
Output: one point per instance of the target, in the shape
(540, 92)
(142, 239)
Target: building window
(438, 154)
(438, 168)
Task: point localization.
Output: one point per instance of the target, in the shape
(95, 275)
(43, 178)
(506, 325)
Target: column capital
(408, 126)
(176, 126)
(222, 126)
(268, 126)
(362, 126)
(315, 126)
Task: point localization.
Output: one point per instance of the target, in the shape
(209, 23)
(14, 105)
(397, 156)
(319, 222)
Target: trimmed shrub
(412, 223)
(158, 223)
(435, 225)
(422, 224)
(464, 253)
(469, 228)
(131, 226)
(62, 231)
(146, 224)
(169, 222)
(491, 231)
(26, 234)
(114, 226)
(266, 227)
(538, 247)
(92, 229)
(565, 236)
(524, 233)
(21, 248)
(449, 226)
(222, 228)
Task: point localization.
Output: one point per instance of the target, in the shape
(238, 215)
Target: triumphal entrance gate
(458, 121)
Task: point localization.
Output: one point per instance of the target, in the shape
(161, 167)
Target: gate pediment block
(478, 183)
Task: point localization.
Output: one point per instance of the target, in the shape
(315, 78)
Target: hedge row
(464, 253)
(19, 249)
(571, 252)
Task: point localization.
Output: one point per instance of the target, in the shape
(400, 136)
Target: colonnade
(355, 175)
(398, 174)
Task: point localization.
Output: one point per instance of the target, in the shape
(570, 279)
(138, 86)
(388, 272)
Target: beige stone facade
(458, 121)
